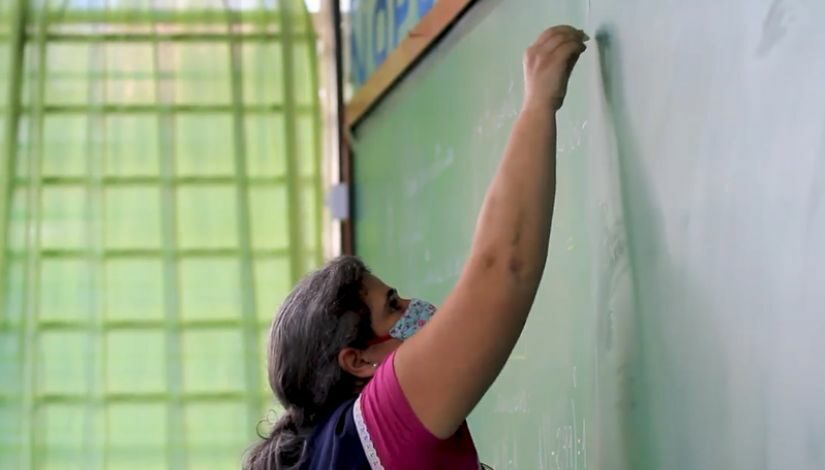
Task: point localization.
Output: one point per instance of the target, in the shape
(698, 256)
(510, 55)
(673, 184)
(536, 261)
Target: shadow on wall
(651, 382)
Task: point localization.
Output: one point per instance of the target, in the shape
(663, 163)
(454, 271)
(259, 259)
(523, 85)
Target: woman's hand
(548, 63)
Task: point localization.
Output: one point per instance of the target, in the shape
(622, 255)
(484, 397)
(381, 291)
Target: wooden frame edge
(414, 45)
(347, 227)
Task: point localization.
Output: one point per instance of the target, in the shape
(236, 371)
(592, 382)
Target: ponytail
(283, 448)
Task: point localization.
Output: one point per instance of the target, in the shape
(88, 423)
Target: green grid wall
(160, 194)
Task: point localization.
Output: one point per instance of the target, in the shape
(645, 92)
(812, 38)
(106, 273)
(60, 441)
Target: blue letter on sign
(423, 7)
(400, 10)
(380, 51)
(358, 38)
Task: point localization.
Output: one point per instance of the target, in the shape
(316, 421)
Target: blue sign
(377, 26)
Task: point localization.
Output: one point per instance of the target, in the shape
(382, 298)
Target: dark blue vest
(334, 444)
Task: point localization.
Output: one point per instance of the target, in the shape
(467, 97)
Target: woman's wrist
(537, 110)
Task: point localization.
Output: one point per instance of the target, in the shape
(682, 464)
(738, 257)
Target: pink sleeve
(393, 437)
(390, 421)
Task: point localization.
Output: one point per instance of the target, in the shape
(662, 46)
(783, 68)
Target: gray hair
(324, 313)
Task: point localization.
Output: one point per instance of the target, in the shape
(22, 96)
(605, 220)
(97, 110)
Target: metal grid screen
(160, 189)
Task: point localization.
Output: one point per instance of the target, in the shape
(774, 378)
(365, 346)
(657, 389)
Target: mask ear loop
(379, 340)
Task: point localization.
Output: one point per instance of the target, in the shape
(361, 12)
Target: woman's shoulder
(335, 442)
(393, 436)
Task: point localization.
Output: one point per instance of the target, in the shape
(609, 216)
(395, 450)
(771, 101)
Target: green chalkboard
(679, 324)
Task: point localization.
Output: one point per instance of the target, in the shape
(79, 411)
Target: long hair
(324, 313)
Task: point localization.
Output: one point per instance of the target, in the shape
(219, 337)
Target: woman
(369, 379)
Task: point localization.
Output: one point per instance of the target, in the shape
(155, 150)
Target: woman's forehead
(373, 283)
(375, 291)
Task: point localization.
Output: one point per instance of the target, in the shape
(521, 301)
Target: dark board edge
(415, 45)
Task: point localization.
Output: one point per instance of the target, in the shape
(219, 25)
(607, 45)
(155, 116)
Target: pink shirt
(393, 437)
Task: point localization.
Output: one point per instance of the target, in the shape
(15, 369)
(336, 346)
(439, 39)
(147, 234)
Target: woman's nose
(405, 303)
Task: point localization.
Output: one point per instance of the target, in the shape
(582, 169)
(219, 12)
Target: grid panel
(63, 363)
(132, 217)
(10, 362)
(15, 297)
(201, 77)
(16, 241)
(130, 446)
(273, 281)
(68, 72)
(65, 287)
(157, 186)
(10, 243)
(204, 145)
(175, 455)
(65, 436)
(129, 73)
(262, 80)
(212, 357)
(131, 145)
(134, 290)
(135, 362)
(11, 441)
(269, 401)
(206, 217)
(63, 217)
(65, 152)
(306, 146)
(265, 146)
(21, 150)
(269, 232)
(210, 289)
(215, 434)
(5, 51)
(304, 91)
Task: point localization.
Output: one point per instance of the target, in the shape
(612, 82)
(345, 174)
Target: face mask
(418, 313)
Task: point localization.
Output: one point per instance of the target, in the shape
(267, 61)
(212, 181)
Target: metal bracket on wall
(338, 201)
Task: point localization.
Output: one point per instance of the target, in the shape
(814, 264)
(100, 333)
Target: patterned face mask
(418, 313)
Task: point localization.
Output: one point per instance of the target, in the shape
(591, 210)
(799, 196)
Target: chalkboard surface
(681, 320)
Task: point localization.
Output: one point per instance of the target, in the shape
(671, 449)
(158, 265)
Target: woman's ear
(351, 360)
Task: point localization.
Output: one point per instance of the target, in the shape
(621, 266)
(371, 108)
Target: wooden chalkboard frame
(415, 45)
